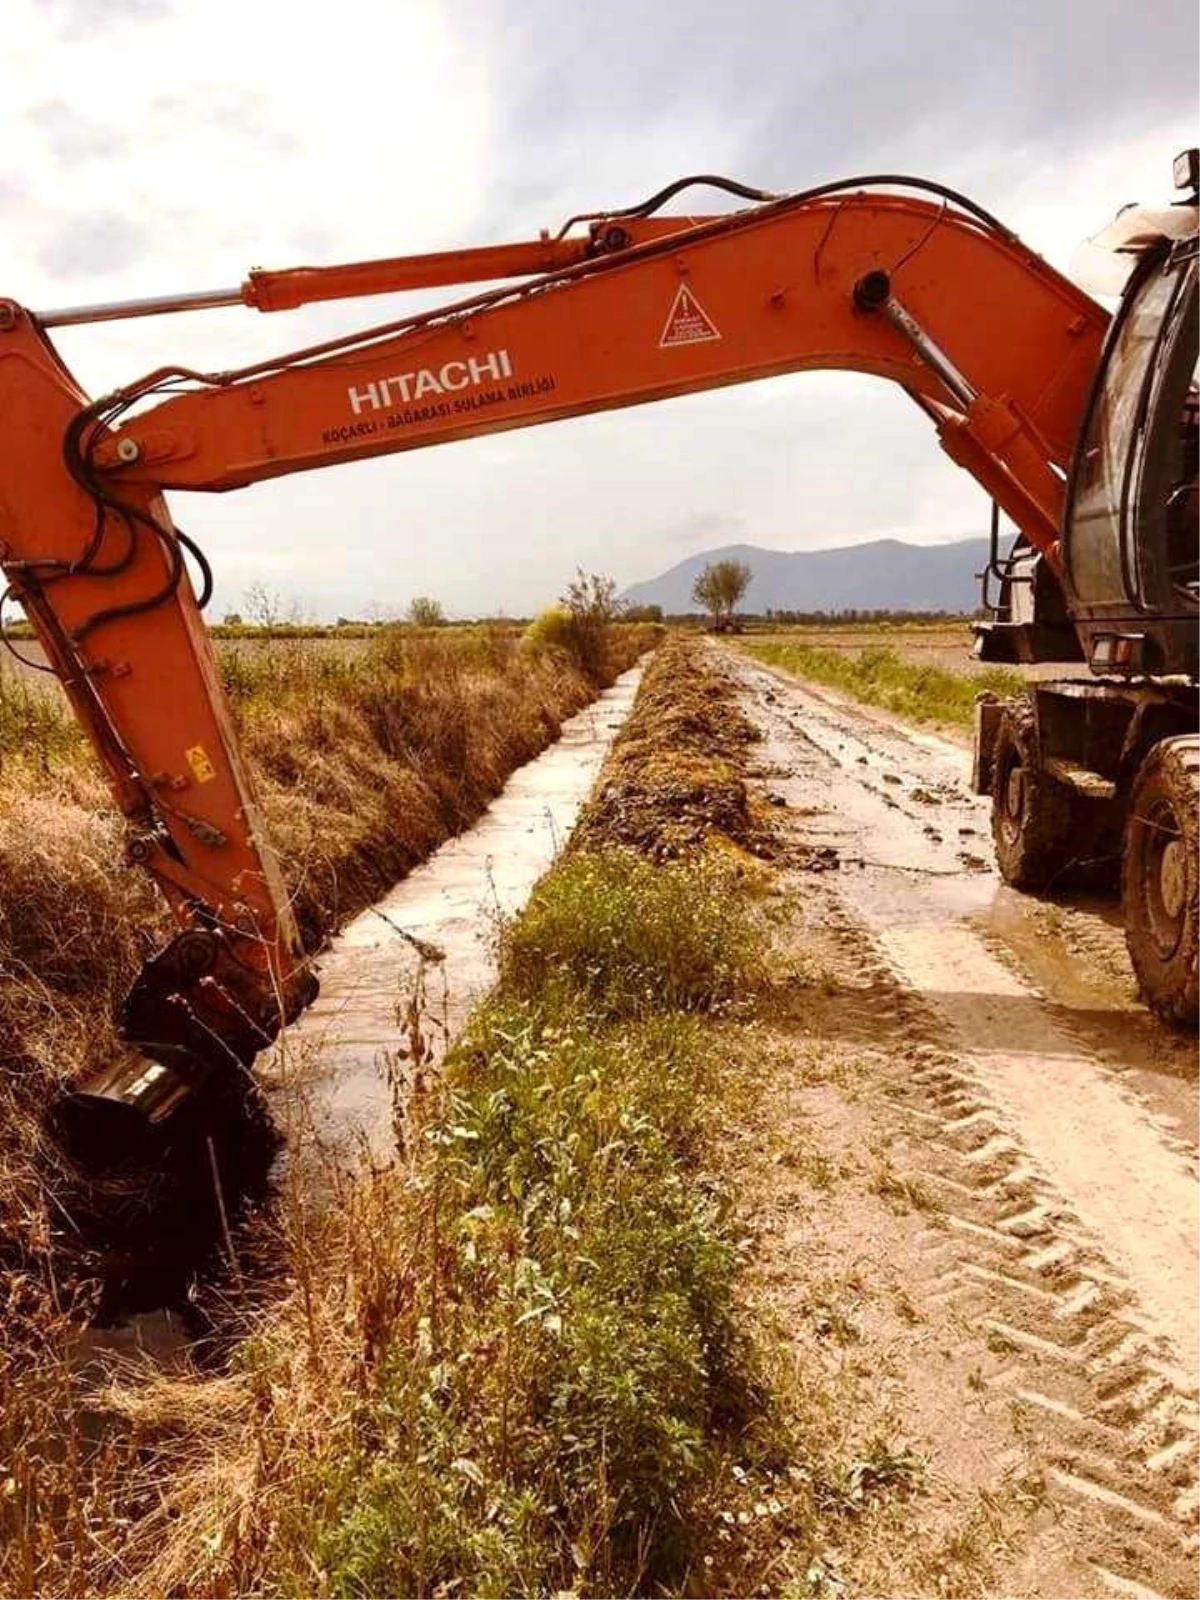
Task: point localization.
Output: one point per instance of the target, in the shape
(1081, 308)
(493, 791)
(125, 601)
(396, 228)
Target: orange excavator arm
(996, 347)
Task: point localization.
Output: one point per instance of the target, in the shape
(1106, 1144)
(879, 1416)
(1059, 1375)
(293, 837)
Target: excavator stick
(103, 580)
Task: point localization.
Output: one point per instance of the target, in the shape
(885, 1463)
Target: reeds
(366, 756)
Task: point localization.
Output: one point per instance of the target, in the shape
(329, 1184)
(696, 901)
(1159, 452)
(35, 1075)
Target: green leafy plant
(878, 676)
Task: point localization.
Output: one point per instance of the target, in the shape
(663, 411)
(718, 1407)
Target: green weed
(878, 676)
(633, 938)
(882, 1467)
(571, 1360)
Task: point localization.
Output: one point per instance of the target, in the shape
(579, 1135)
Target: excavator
(1080, 426)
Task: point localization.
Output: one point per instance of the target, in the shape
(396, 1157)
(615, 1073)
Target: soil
(982, 1149)
(674, 781)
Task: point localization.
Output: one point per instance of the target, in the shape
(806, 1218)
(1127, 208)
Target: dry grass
(507, 1363)
(364, 764)
(500, 1365)
(513, 1360)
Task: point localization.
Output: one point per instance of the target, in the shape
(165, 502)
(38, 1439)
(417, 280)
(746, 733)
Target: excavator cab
(1131, 542)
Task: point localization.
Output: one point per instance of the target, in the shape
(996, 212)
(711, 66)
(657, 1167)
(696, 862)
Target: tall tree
(424, 612)
(719, 589)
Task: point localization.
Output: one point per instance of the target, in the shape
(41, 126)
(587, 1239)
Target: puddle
(1040, 944)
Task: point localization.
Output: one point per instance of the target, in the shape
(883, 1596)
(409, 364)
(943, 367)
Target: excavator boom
(870, 283)
(998, 349)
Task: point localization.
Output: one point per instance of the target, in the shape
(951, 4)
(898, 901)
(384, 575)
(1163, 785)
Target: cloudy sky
(162, 145)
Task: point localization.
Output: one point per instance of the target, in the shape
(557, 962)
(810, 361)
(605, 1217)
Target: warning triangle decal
(688, 323)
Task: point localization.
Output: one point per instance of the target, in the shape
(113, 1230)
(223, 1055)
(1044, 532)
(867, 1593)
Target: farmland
(925, 671)
(945, 644)
(661, 1206)
(365, 759)
(909, 680)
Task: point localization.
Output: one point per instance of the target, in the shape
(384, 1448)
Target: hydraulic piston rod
(118, 310)
(873, 292)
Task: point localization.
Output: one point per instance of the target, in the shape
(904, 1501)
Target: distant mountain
(884, 575)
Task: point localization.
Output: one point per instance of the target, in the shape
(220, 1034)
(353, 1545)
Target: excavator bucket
(114, 1116)
(156, 1151)
(150, 1167)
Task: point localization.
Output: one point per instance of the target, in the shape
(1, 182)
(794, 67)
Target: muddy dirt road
(1022, 1087)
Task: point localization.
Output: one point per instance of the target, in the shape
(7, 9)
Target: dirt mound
(675, 779)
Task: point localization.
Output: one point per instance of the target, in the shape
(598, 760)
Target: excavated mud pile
(675, 779)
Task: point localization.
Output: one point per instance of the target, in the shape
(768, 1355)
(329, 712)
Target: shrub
(633, 938)
(580, 625)
(425, 612)
(552, 630)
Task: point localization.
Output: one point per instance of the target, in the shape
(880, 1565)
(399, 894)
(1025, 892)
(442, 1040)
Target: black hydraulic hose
(79, 460)
(647, 208)
(202, 561)
(892, 180)
(134, 608)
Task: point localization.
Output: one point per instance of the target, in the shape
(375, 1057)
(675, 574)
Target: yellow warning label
(202, 768)
(688, 322)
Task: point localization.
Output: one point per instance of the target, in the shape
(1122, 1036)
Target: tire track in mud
(1062, 1222)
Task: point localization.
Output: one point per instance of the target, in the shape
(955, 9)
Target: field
(905, 677)
(937, 644)
(365, 756)
(925, 671)
(640, 1295)
(941, 645)
(247, 643)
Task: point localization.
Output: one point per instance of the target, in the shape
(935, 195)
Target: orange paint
(660, 308)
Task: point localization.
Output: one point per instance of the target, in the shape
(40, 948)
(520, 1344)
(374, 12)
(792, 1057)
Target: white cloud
(220, 135)
(164, 147)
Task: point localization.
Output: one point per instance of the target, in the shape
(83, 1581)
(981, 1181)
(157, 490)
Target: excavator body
(1094, 780)
(1074, 423)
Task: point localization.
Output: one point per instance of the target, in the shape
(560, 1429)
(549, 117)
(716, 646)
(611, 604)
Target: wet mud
(1022, 1086)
